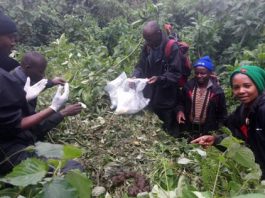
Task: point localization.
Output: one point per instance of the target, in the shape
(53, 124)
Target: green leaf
(234, 187)
(202, 194)
(242, 155)
(82, 183)
(9, 192)
(251, 195)
(71, 152)
(59, 188)
(30, 171)
(49, 150)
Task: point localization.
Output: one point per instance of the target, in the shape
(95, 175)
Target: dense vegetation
(91, 42)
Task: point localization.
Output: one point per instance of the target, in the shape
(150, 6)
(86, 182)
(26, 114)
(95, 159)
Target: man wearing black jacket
(33, 65)
(7, 42)
(14, 133)
(163, 76)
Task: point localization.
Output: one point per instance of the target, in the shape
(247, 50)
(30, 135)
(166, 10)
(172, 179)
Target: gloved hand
(60, 98)
(33, 91)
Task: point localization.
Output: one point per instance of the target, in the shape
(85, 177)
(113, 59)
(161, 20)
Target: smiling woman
(247, 121)
(244, 89)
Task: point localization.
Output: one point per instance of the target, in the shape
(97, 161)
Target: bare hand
(71, 110)
(181, 118)
(205, 141)
(58, 81)
(152, 80)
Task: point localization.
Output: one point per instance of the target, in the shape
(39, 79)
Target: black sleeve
(7, 63)
(182, 98)
(11, 101)
(49, 84)
(221, 110)
(45, 126)
(218, 140)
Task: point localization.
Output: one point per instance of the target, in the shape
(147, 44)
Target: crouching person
(247, 121)
(202, 105)
(15, 125)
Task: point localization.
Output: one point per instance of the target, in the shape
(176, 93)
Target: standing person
(8, 39)
(33, 65)
(247, 121)
(202, 106)
(163, 76)
(14, 133)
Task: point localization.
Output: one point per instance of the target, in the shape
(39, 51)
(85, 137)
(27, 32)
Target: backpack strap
(168, 48)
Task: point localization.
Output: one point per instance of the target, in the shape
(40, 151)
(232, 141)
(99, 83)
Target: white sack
(126, 94)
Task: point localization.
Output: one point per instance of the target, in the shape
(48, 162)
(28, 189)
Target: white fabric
(33, 91)
(60, 98)
(126, 94)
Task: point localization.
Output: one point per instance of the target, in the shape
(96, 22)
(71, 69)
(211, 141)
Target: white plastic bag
(112, 87)
(126, 94)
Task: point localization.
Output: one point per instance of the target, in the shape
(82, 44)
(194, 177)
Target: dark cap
(7, 26)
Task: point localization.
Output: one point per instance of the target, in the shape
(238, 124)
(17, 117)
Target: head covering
(205, 62)
(255, 73)
(7, 26)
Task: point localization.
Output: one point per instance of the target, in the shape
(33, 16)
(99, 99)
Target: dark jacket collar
(19, 74)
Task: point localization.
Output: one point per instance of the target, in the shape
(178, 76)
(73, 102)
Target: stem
(165, 171)
(138, 45)
(57, 168)
(103, 69)
(216, 178)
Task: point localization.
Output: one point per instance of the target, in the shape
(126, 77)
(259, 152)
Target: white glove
(60, 98)
(33, 91)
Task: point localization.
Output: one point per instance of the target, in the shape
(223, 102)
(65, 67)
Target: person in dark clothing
(33, 65)
(202, 105)
(163, 76)
(7, 42)
(247, 121)
(14, 133)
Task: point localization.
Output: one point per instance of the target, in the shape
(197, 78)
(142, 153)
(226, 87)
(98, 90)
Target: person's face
(36, 71)
(153, 39)
(202, 75)
(7, 43)
(244, 89)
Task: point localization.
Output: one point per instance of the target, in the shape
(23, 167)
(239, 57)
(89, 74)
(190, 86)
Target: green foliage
(223, 174)
(91, 42)
(31, 176)
(49, 150)
(80, 182)
(29, 172)
(204, 32)
(256, 56)
(60, 188)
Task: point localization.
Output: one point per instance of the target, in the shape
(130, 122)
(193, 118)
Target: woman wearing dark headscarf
(247, 122)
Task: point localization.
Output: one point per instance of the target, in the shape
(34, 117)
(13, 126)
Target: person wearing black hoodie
(163, 76)
(8, 39)
(14, 133)
(247, 121)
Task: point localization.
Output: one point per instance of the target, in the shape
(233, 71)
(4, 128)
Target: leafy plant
(32, 177)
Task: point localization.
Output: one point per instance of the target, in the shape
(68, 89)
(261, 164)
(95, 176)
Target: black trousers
(168, 116)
